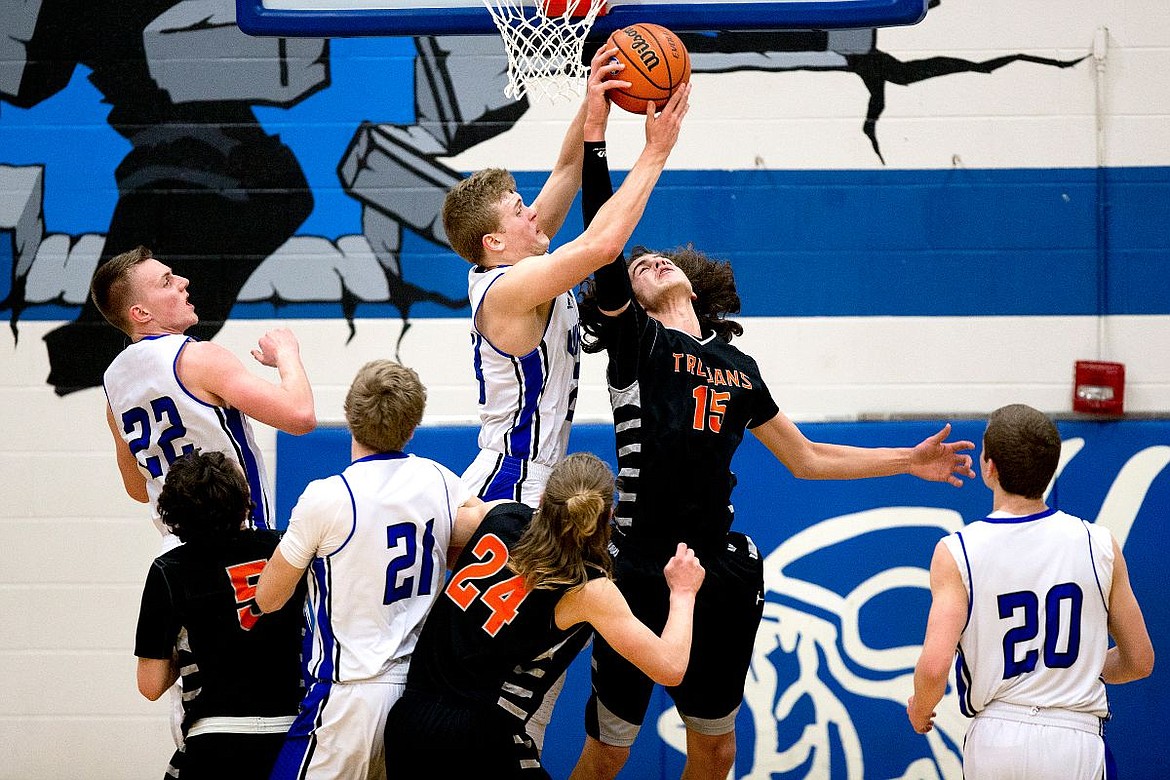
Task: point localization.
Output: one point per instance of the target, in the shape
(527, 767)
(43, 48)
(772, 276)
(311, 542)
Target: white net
(544, 49)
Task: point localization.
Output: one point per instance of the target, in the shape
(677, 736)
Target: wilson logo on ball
(640, 46)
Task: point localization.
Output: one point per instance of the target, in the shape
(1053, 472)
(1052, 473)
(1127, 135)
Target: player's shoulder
(509, 518)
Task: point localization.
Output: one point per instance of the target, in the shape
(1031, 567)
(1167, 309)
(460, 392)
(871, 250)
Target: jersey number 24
(503, 598)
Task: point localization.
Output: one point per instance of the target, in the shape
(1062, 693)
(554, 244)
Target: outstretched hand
(662, 128)
(604, 75)
(938, 460)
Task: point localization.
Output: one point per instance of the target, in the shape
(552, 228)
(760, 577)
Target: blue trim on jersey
(388, 455)
(175, 370)
(1093, 564)
(532, 376)
(970, 579)
(963, 684)
(477, 365)
(326, 665)
(234, 424)
(353, 515)
(509, 475)
(447, 503)
(1025, 519)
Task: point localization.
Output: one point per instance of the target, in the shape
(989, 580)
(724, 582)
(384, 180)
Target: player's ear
(139, 315)
(493, 242)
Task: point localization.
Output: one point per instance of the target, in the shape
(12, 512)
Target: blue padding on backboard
(254, 18)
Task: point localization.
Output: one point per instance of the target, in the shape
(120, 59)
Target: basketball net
(544, 45)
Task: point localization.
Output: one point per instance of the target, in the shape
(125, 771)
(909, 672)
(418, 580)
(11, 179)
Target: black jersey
(680, 409)
(235, 662)
(488, 642)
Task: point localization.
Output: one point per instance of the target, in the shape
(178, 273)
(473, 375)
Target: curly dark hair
(713, 282)
(205, 496)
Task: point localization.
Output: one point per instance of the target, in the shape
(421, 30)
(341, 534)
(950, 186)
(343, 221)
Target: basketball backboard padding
(342, 18)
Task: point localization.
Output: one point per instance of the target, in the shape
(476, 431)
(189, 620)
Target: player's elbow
(671, 669)
(268, 601)
(1142, 666)
(301, 422)
(151, 692)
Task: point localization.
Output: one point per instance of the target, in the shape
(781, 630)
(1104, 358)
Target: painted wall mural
(221, 193)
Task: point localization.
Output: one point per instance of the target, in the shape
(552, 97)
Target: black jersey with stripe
(199, 600)
(681, 405)
(486, 642)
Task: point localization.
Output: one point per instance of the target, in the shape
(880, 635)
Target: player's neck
(679, 315)
(1017, 505)
(145, 333)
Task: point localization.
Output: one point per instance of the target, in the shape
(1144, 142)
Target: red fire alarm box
(1099, 387)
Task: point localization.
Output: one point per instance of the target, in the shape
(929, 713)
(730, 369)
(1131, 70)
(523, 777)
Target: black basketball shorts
(728, 610)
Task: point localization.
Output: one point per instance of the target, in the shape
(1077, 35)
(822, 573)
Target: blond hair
(384, 405)
(471, 211)
(570, 530)
(111, 288)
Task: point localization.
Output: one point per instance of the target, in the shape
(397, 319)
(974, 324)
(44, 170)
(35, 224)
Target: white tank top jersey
(1037, 622)
(374, 539)
(526, 403)
(161, 420)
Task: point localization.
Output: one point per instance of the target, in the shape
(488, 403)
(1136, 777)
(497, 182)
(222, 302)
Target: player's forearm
(1122, 667)
(839, 461)
(930, 684)
(556, 197)
(616, 220)
(676, 639)
(596, 184)
(300, 412)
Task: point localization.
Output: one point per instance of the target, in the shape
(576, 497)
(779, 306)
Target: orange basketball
(656, 65)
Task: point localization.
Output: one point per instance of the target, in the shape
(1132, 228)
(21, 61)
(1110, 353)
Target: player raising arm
(170, 394)
(682, 399)
(524, 324)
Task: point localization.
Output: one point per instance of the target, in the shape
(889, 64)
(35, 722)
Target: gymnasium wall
(925, 223)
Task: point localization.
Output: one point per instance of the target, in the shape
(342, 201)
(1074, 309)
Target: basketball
(656, 63)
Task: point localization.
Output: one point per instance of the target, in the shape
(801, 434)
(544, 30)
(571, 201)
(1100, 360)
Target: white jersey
(161, 420)
(525, 402)
(374, 539)
(1037, 623)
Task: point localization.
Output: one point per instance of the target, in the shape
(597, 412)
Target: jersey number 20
(1029, 603)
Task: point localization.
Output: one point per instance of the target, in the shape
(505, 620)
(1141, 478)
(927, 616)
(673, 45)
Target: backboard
(333, 18)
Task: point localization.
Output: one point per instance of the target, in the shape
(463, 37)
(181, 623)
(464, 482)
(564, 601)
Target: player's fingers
(604, 53)
(943, 434)
(614, 83)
